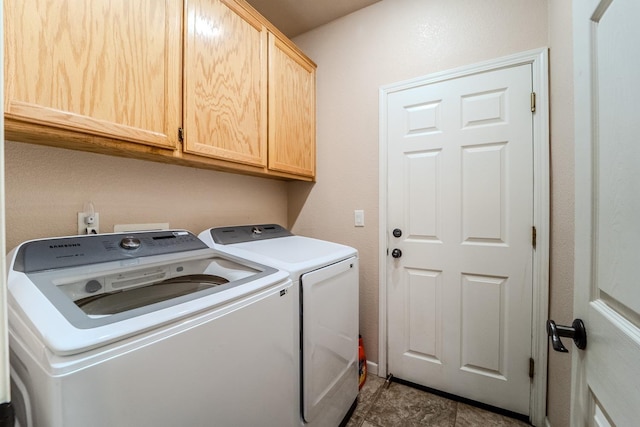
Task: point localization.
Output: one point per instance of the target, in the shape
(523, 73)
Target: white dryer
(147, 329)
(325, 277)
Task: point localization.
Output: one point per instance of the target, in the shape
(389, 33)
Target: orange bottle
(362, 366)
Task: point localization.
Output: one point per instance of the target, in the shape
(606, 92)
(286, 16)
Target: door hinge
(531, 367)
(180, 134)
(534, 236)
(533, 102)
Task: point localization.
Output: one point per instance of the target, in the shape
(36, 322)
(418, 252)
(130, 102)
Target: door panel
(483, 207)
(460, 186)
(607, 297)
(422, 221)
(104, 68)
(225, 80)
(618, 183)
(292, 110)
(483, 349)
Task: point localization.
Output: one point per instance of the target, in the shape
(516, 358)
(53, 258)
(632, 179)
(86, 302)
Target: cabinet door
(108, 68)
(225, 104)
(292, 112)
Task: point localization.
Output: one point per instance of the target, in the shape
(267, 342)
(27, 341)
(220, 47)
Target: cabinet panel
(225, 104)
(292, 114)
(109, 68)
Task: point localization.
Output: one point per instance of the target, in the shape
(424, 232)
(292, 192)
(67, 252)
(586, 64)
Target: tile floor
(402, 406)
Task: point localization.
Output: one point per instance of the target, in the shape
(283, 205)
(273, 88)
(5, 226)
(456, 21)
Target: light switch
(359, 218)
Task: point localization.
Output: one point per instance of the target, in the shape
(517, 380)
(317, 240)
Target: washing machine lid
(79, 292)
(272, 244)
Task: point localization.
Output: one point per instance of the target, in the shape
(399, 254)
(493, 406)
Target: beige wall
(396, 40)
(46, 187)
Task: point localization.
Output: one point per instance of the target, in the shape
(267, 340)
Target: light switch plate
(358, 217)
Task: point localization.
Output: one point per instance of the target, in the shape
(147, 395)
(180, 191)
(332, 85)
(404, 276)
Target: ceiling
(294, 17)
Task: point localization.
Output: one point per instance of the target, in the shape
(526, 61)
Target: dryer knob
(130, 243)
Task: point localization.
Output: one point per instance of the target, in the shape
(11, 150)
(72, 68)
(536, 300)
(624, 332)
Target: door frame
(538, 58)
(5, 385)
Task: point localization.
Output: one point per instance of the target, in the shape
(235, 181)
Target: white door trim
(538, 58)
(5, 389)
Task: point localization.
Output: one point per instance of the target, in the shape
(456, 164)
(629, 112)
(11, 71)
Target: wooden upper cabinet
(292, 112)
(123, 76)
(225, 81)
(107, 68)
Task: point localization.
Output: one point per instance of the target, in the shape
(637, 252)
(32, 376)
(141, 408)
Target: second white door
(460, 194)
(606, 374)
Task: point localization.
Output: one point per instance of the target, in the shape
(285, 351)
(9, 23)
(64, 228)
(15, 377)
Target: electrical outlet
(93, 227)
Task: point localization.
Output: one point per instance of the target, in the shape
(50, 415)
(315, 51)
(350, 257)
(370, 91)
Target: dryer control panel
(248, 233)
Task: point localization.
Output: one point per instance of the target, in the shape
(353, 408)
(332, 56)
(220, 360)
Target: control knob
(130, 243)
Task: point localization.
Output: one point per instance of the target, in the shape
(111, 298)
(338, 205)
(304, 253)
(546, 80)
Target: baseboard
(372, 367)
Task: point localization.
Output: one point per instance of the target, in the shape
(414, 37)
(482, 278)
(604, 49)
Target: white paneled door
(460, 194)
(606, 380)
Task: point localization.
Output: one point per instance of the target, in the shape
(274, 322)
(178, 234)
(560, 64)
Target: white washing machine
(148, 329)
(325, 277)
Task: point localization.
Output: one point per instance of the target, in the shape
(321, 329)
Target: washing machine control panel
(51, 254)
(248, 233)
